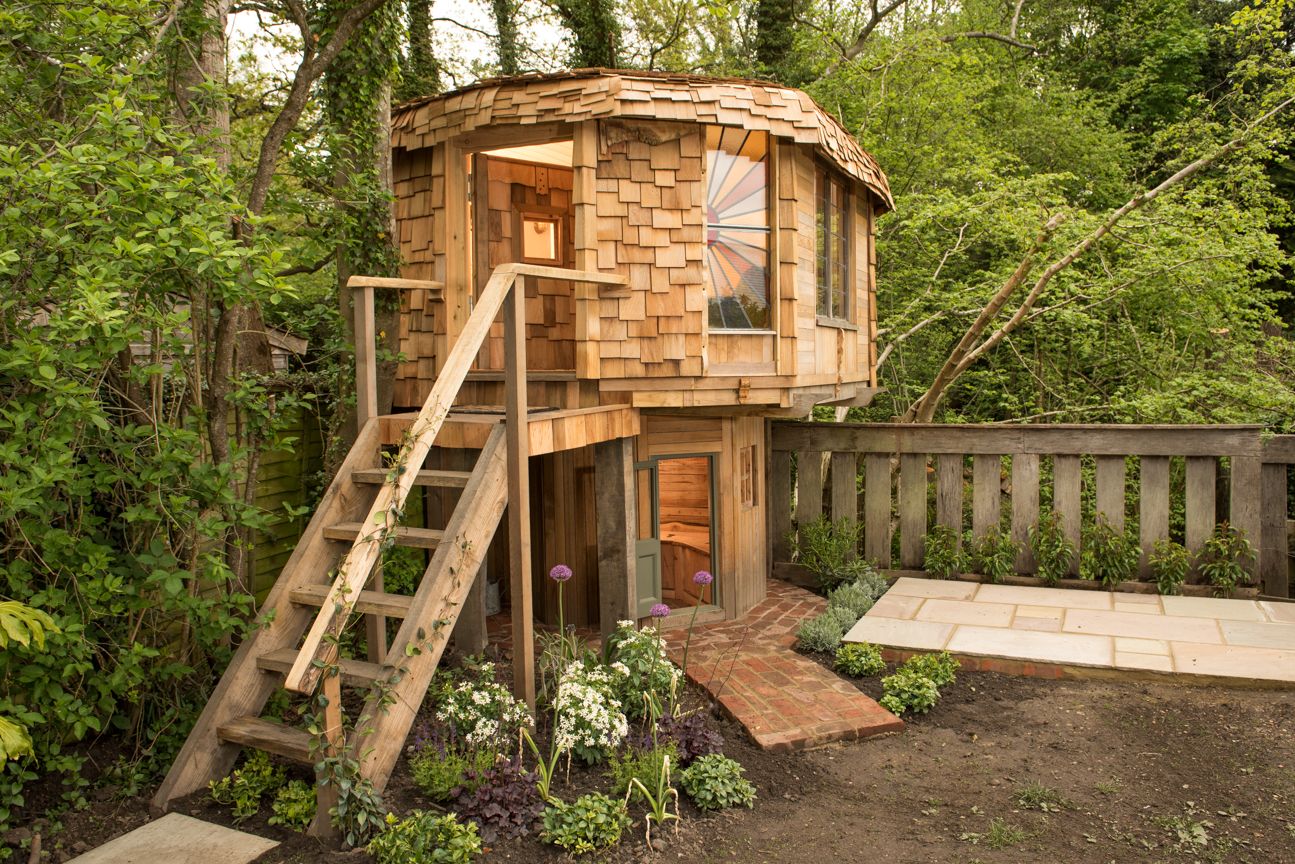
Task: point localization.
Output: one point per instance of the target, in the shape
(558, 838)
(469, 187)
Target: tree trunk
(505, 15)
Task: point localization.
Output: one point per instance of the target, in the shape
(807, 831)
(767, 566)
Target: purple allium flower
(660, 610)
(701, 577)
(560, 573)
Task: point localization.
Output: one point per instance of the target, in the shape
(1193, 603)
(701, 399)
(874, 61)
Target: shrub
(482, 712)
(294, 806)
(647, 675)
(1053, 550)
(821, 634)
(830, 550)
(943, 555)
(858, 659)
(438, 771)
(503, 800)
(589, 720)
(646, 765)
(941, 668)
(908, 691)
(1109, 556)
(425, 838)
(1223, 556)
(716, 782)
(857, 597)
(994, 555)
(1170, 563)
(589, 823)
(246, 786)
(691, 735)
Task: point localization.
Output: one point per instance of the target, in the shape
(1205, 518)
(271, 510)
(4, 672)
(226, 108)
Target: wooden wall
(419, 183)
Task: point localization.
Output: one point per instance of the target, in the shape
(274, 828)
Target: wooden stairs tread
(418, 538)
(276, 738)
(446, 479)
(355, 673)
(368, 603)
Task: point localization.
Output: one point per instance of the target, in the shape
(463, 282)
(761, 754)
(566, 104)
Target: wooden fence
(847, 470)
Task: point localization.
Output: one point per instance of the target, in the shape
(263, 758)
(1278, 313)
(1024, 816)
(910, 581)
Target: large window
(832, 246)
(737, 229)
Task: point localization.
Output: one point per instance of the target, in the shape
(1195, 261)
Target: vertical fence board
(779, 486)
(986, 493)
(809, 486)
(1200, 501)
(1273, 573)
(912, 508)
(845, 486)
(876, 508)
(948, 492)
(1153, 507)
(1067, 498)
(1245, 494)
(1025, 507)
(1110, 490)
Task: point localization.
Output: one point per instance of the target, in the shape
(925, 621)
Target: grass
(1001, 834)
(1036, 796)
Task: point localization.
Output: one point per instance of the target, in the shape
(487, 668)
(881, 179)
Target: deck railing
(1190, 477)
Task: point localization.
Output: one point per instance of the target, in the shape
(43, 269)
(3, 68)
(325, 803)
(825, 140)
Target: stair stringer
(244, 688)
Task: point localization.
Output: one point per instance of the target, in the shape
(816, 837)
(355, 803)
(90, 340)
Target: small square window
(541, 239)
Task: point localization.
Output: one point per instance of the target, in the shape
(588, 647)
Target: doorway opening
(676, 531)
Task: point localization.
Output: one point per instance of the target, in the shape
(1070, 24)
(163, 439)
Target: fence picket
(876, 508)
(948, 492)
(1110, 490)
(1067, 500)
(912, 508)
(780, 504)
(986, 493)
(845, 486)
(1025, 507)
(1153, 507)
(809, 486)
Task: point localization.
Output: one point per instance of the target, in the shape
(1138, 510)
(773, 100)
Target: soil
(1125, 771)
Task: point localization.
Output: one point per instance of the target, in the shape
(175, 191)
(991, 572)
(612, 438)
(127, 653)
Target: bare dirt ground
(1003, 769)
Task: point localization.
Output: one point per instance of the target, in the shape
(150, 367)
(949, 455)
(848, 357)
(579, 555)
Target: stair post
(519, 491)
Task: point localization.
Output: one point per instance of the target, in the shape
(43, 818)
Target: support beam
(519, 493)
(617, 515)
(470, 635)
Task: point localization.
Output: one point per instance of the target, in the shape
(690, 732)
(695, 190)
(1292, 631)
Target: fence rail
(847, 470)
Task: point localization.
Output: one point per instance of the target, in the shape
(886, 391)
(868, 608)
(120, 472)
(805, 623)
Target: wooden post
(326, 796)
(366, 408)
(1067, 497)
(948, 492)
(1153, 508)
(617, 517)
(912, 509)
(1110, 490)
(519, 492)
(876, 508)
(845, 486)
(1201, 504)
(1273, 572)
(1025, 507)
(1244, 509)
(470, 629)
(779, 488)
(809, 486)
(986, 493)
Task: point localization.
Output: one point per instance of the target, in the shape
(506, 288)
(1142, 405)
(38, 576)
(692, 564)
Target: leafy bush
(1053, 550)
(648, 678)
(1170, 563)
(589, 720)
(943, 555)
(858, 659)
(1109, 556)
(1223, 557)
(425, 838)
(503, 801)
(821, 634)
(858, 596)
(994, 554)
(294, 806)
(941, 668)
(439, 770)
(246, 786)
(647, 765)
(690, 734)
(830, 551)
(716, 782)
(482, 712)
(908, 691)
(589, 823)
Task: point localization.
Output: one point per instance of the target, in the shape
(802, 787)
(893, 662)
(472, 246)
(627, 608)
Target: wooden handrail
(319, 647)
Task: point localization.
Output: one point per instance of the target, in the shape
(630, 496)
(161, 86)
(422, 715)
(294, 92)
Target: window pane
(736, 179)
(738, 261)
(540, 239)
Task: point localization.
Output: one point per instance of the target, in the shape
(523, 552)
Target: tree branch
(996, 37)
(301, 269)
(876, 15)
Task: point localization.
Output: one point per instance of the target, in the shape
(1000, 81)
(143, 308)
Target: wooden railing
(847, 470)
(504, 291)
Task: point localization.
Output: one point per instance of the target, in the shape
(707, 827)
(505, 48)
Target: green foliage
(908, 691)
(647, 765)
(1109, 556)
(648, 680)
(589, 823)
(357, 816)
(245, 788)
(1036, 796)
(994, 554)
(829, 550)
(941, 668)
(1053, 550)
(439, 773)
(293, 806)
(857, 597)
(425, 838)
(716, 783)
(822, 634)
(26, 626)
(1170, 562)
(588, 719)
(504, 800)
(482, 712)
(1223, 559)
(943, 555)
(859, 659)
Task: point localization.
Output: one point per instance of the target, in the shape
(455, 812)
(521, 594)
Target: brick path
(784, 700)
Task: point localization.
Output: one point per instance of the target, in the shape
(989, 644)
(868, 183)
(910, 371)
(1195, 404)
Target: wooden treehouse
(612, 281)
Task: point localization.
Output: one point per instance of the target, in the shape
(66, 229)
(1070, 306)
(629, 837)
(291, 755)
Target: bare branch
(996, 37)
(301, 269)
(876, 15)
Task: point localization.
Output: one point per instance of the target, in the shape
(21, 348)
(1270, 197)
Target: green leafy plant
(942, 668)
(648, 679)
(1001, 835)
(858, 659)
(821, 634)
(589, 823)
(589, 721)
(716, 782)
(425, 838)
(1170, 563)
(1036, 796)
(357, 815)
(830, 550)
(691, 735)
(482, 712)
(908, 692)
(504, 800)
(246, 786)
(993, 555)
(645, 764)
(26, 626)
(1053, 550)
(1109, 556)
(944, 557)
(439, 770)
(657, 794)
(293, 806)
(858, 596)
(1223, 559)
(545, 767)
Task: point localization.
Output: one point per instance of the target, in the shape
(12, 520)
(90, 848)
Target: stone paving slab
(179, 839)
(1046, 630)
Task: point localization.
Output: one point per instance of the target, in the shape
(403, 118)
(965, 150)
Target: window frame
(554, 219)
(767, 230)
(825, 178)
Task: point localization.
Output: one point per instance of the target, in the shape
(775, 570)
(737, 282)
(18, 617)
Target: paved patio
(1055, 631)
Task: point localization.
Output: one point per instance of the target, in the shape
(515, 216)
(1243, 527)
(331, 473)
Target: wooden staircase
(324, 582)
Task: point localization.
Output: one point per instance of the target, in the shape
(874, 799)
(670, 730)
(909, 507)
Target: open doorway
(676, 499)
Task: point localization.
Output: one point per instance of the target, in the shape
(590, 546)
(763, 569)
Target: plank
(435, 478)
(617, 521)
(1067, 501)
(876, 508)
(809, 486)
(276, 738)
(845, 486)
(948, 492)
(366, 362)
(405, 535)
(912, 509)
(327, 794)
(1153, 508)
(179, 839)
(355, 673)
(1244, 510)
(778, 486)
(470, 635)
(1110, 490)
(1201, 507)
(1274, 573)
(378, 603)
(986, 493)
(517, 445)
(1025, 508)
(431, 286)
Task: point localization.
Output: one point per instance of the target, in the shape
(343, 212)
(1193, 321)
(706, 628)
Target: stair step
(368, 603)
(418, 538)
(286, 741)
(446, 479)
(355, 673)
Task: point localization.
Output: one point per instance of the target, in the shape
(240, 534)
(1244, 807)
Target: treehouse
(611, 281)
